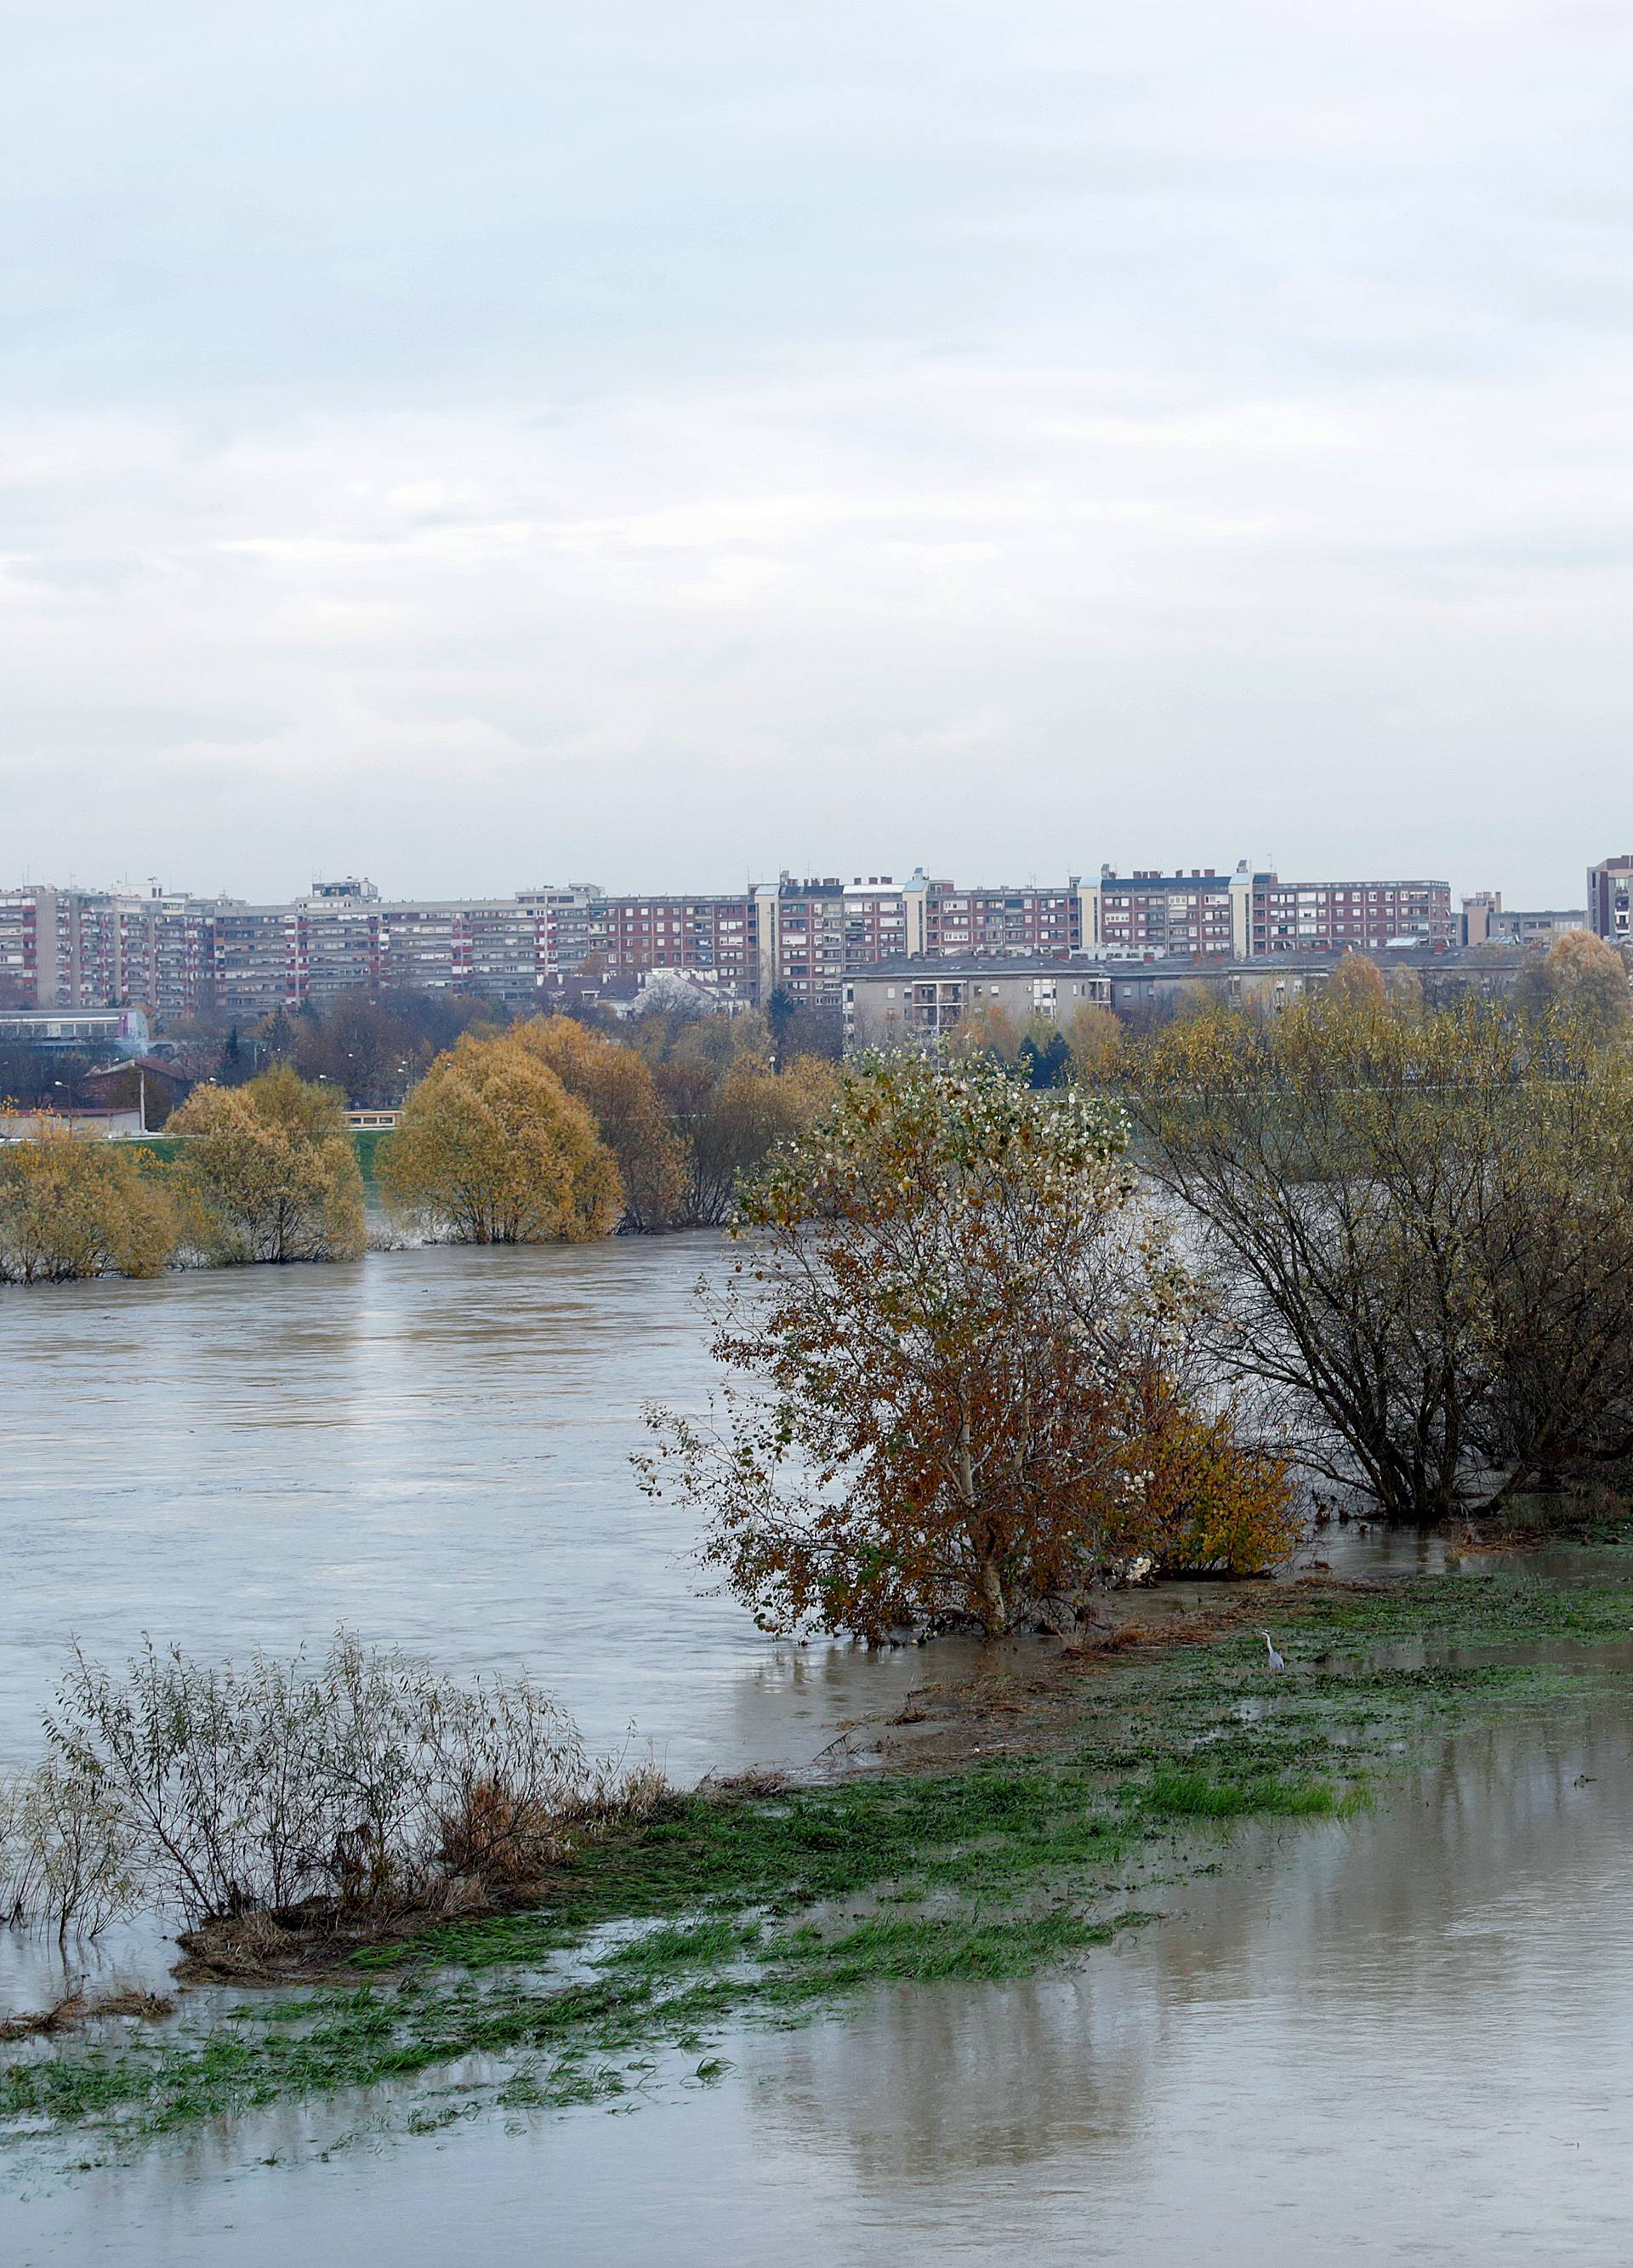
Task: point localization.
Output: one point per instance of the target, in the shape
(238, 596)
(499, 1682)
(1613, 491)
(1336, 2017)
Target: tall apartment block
(1245, 915)
(812, 933)
(1610, 898)
(714, 935)
(103, 948)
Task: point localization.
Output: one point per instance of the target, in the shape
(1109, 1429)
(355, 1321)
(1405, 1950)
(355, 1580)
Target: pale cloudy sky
(662, 440)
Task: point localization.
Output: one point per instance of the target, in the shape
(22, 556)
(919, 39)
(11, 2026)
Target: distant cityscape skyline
(250, 881)
(179, 954)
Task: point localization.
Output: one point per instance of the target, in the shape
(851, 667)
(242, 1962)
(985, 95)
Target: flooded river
(431, 1448)
(1405, 2038)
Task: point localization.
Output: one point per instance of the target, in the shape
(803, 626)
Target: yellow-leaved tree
(491, 1149)
(1583, 980)
(617, 1086)
(72, 1209)
(1094, 1035)
(1356, 983)
(272, 1171)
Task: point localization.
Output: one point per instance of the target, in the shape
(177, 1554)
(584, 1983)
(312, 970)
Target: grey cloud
(489, 442)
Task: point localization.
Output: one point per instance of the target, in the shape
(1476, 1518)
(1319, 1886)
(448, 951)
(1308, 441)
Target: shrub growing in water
(979, 1400)
(491, 1149)
(615, 1084)
(365, 1780)
(271, 1169)
(74, 1209)
(1419, 1230)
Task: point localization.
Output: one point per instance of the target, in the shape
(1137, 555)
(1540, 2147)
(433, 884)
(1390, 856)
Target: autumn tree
(1095, 1036)
(71, 1208)
(984, 1030)
(617, 1086)
(1583, 979)
(1356, 983)
(491, 1149)
(1419, 1234)
(739, 1119)
(272, 1170)
(973, 1399)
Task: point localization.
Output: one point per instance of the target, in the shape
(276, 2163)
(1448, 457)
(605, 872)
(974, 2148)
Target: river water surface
(1408, 2037)
(431, 1448)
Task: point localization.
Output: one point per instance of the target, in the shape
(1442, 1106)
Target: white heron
(1277, 1661)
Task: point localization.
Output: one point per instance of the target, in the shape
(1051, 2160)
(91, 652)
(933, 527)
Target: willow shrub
(362, 1780)
(272, 1171)
(492, 1149)
(71, 1208)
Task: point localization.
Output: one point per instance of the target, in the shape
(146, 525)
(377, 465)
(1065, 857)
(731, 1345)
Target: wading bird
(1277, 1661)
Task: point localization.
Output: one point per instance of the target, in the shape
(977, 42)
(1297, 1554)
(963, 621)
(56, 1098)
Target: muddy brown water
(1408, 2037)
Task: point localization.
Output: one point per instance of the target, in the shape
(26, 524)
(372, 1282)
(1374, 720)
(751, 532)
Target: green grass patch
(1175, 1793)
(366, 1141)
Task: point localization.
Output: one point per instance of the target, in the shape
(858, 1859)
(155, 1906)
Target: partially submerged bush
(365, 1781)
(491, 1149)
(616, 1087)
(272, 1171)
(71, 1208)
(977, 1397)
(1418, 1236)
(65, 1851)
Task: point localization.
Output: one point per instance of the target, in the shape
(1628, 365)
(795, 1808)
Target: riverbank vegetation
(311, 1797)
(70, 1210)
(270, 1172)
(1415, 1231)
(979, 1398)
(492, 1149)
(1006, 1826)
(546, 1130)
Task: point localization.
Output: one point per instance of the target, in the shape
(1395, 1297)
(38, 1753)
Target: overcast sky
(658, 441)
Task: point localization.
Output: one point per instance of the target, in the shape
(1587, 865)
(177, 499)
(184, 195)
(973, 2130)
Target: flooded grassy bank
(1051, 1808)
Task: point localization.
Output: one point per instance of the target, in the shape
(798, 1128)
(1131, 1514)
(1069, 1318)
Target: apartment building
(815, 932)
(1350, 916)
(172, 952)
(885, 920)
(800, 938)
(1004, 921)
(259, 959)
(1610, 898)
(717, 936)
(96, 948)
(28, 926)
(917, 1000)
(1202, 914)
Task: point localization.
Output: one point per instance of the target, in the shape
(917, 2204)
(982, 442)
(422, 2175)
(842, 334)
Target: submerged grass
(1180, 1795)
(756, 1905)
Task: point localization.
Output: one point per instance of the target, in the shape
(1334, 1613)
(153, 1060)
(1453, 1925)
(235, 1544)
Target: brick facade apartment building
(172, 952)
